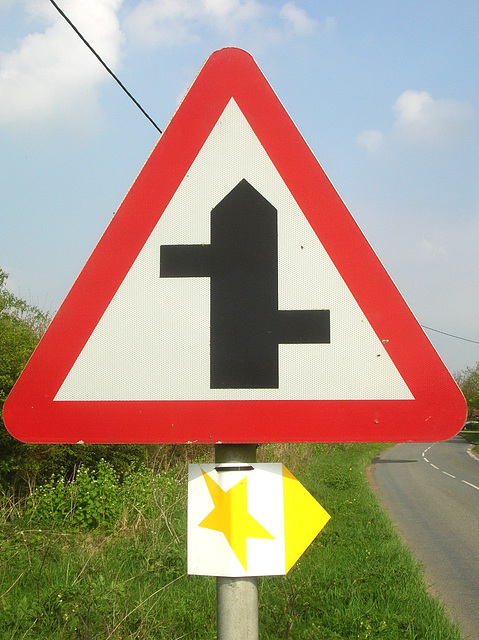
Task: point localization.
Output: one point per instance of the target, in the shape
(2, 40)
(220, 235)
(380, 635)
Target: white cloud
(156, 21)
(169, 22)
(423, 122)
(427, 251)
(173, 22)
(371, 140)
(297, 18)
(51, 75)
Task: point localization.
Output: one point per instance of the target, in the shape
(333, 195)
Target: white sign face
(153, 340)
(248, 520)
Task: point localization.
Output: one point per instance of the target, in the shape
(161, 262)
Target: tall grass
(104, 557)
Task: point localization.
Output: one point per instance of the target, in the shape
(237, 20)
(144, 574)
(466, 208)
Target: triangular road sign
(233, 299)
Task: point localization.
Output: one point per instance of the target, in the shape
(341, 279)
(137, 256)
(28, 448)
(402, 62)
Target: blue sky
(386, 94)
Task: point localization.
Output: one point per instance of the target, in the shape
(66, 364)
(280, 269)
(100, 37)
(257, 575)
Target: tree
(21, 327)
(468, 381)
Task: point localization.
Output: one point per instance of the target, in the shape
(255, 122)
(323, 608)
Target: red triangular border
(438, 410)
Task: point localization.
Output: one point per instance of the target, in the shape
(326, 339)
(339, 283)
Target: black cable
(450, 335)
(105, 65)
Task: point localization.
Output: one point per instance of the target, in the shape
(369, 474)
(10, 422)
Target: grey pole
(236, 598)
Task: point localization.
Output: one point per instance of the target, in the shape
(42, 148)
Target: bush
(101, 498)
(92, 499)
(468, 381)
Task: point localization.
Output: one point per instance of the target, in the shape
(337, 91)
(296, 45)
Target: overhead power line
(450, 335)
(85, 41)
(97, 56)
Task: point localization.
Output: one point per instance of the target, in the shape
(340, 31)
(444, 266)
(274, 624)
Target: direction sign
(233, 298)
(248, 520)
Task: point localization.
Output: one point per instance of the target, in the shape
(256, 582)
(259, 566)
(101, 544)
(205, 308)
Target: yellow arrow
(304, 518)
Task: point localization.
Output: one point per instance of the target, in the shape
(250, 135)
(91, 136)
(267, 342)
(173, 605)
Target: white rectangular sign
(248, 520)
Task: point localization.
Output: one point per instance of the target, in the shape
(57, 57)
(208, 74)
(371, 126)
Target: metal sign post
(236, 598)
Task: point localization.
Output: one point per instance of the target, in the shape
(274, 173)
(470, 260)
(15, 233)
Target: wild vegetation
(104, 556)
(468, 381)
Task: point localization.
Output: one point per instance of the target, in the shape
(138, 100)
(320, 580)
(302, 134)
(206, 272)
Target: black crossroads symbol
(246, 325)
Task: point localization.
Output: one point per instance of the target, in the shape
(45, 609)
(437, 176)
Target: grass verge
(473, 438)
(125, 577)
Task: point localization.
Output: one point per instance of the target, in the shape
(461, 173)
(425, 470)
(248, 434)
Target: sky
(385, 92)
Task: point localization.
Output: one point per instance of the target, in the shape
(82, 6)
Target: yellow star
(230, 516)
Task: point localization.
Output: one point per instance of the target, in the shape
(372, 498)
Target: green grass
(126, 577)
(472, 437)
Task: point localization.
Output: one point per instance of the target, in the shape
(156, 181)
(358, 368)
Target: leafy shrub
(100, 497)
(92, 499)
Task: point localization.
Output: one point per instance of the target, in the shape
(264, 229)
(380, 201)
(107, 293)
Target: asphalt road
(431, 492)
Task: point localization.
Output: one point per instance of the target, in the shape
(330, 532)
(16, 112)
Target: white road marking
(445, 472)
(471, 485)
(448, 474)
